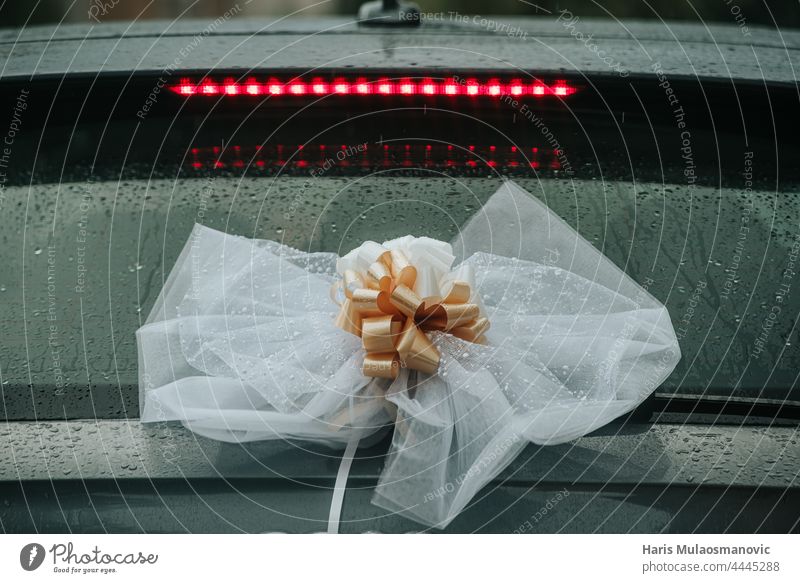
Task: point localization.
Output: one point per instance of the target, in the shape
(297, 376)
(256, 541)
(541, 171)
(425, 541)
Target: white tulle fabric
(241, 346)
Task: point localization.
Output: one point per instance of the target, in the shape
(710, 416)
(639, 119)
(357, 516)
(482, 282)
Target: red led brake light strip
(386, 87)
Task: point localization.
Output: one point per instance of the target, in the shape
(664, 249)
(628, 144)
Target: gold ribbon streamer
(382, 309)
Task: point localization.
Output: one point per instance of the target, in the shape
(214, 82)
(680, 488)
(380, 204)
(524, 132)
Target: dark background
(785, 13)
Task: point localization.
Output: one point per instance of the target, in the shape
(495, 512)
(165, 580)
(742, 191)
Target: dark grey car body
(709, 453)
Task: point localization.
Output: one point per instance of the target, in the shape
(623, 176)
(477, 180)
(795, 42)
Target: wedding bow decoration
(244, 344)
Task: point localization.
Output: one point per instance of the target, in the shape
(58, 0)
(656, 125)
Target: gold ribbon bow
(381, 307)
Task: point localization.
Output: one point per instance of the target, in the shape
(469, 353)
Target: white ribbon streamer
(337, 501)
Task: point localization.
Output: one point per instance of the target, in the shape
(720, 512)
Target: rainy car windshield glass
(95, 214)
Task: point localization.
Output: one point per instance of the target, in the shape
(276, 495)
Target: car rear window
(96, 211)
